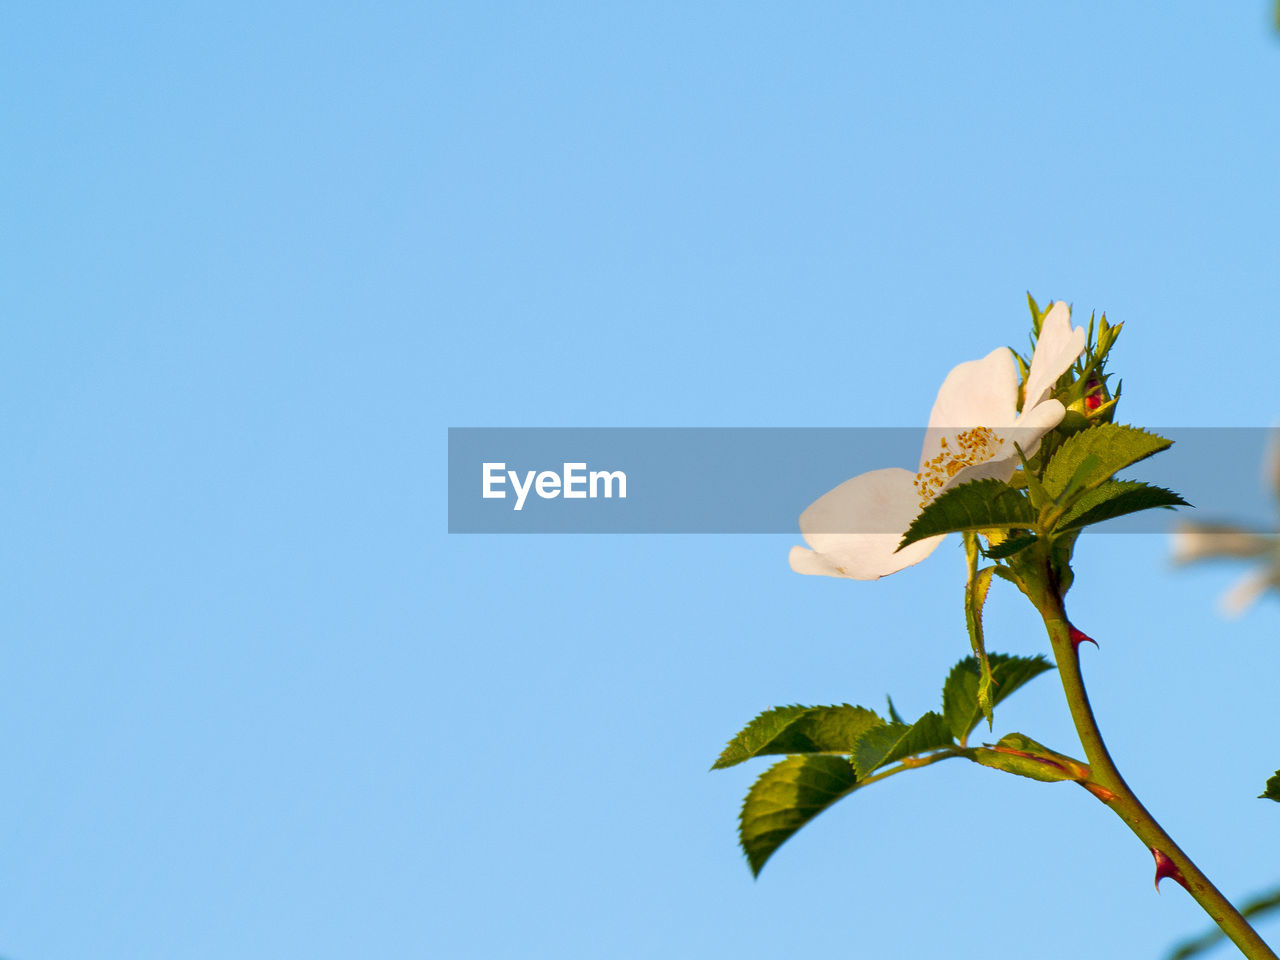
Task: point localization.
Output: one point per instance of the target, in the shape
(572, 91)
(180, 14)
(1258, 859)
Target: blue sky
(257, 701)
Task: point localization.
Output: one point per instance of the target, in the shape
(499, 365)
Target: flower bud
(1093, 400)
(1093, 391)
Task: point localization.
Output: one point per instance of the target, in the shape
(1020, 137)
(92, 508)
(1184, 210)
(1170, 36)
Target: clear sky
(258, 257)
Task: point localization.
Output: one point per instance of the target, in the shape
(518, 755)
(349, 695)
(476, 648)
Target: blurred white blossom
(1195, 542)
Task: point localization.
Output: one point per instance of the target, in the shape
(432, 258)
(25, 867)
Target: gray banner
(758, 480)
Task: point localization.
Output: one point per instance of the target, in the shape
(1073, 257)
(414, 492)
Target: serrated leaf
(1007, 548)
(1113, 446)
(786, 797)
(1031, 479)
(1273, 789)
(1080, 478)
(1004, 573)
(892, 741)
(797, 729)
(970, 507)
(975, 598)
(1116, 498)
(960, 708)
(894, 716)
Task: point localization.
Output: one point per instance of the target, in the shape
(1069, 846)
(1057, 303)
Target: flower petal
(1032, 424)
(998, 468)
(855, 529)
(1202, 541)
(815, 564)
(1057, 348)
(1246, 593)
(977, 393)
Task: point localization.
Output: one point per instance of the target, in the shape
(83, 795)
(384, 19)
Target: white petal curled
(1057, 348)
(855, 529)
(1034, 422)
(977, 393)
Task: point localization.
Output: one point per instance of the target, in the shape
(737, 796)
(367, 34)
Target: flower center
(975, 445)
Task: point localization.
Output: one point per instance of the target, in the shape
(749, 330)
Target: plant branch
(914, 763)
(1109, 786)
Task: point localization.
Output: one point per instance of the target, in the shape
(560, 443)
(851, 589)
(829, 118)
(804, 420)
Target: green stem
(1117, 795)
(914, 763)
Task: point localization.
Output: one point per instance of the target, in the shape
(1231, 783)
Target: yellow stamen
(975, 445)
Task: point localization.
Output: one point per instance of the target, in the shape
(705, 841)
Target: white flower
(1193, 542)
(854, 530)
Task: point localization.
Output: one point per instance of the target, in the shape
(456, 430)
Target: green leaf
(1007, 548)
(1021, 743)
(1037, 315)
(892, 741)
(1004, 573)
(786, 797)
(960, 708)
(797, 729)
(1113, 446)
(1273, 789)
(1076, 484)
(1029, 767)
(894, 716)
(1062, 547)
(970, 507)
(1031, 477)
(975, 598)
(1019, 754)
(1115, 498)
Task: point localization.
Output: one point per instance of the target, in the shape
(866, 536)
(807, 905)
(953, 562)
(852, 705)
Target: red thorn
(1166, 868)
(1078, 637)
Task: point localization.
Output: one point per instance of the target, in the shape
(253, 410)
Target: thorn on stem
(1166, 868)
(1078, 637)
